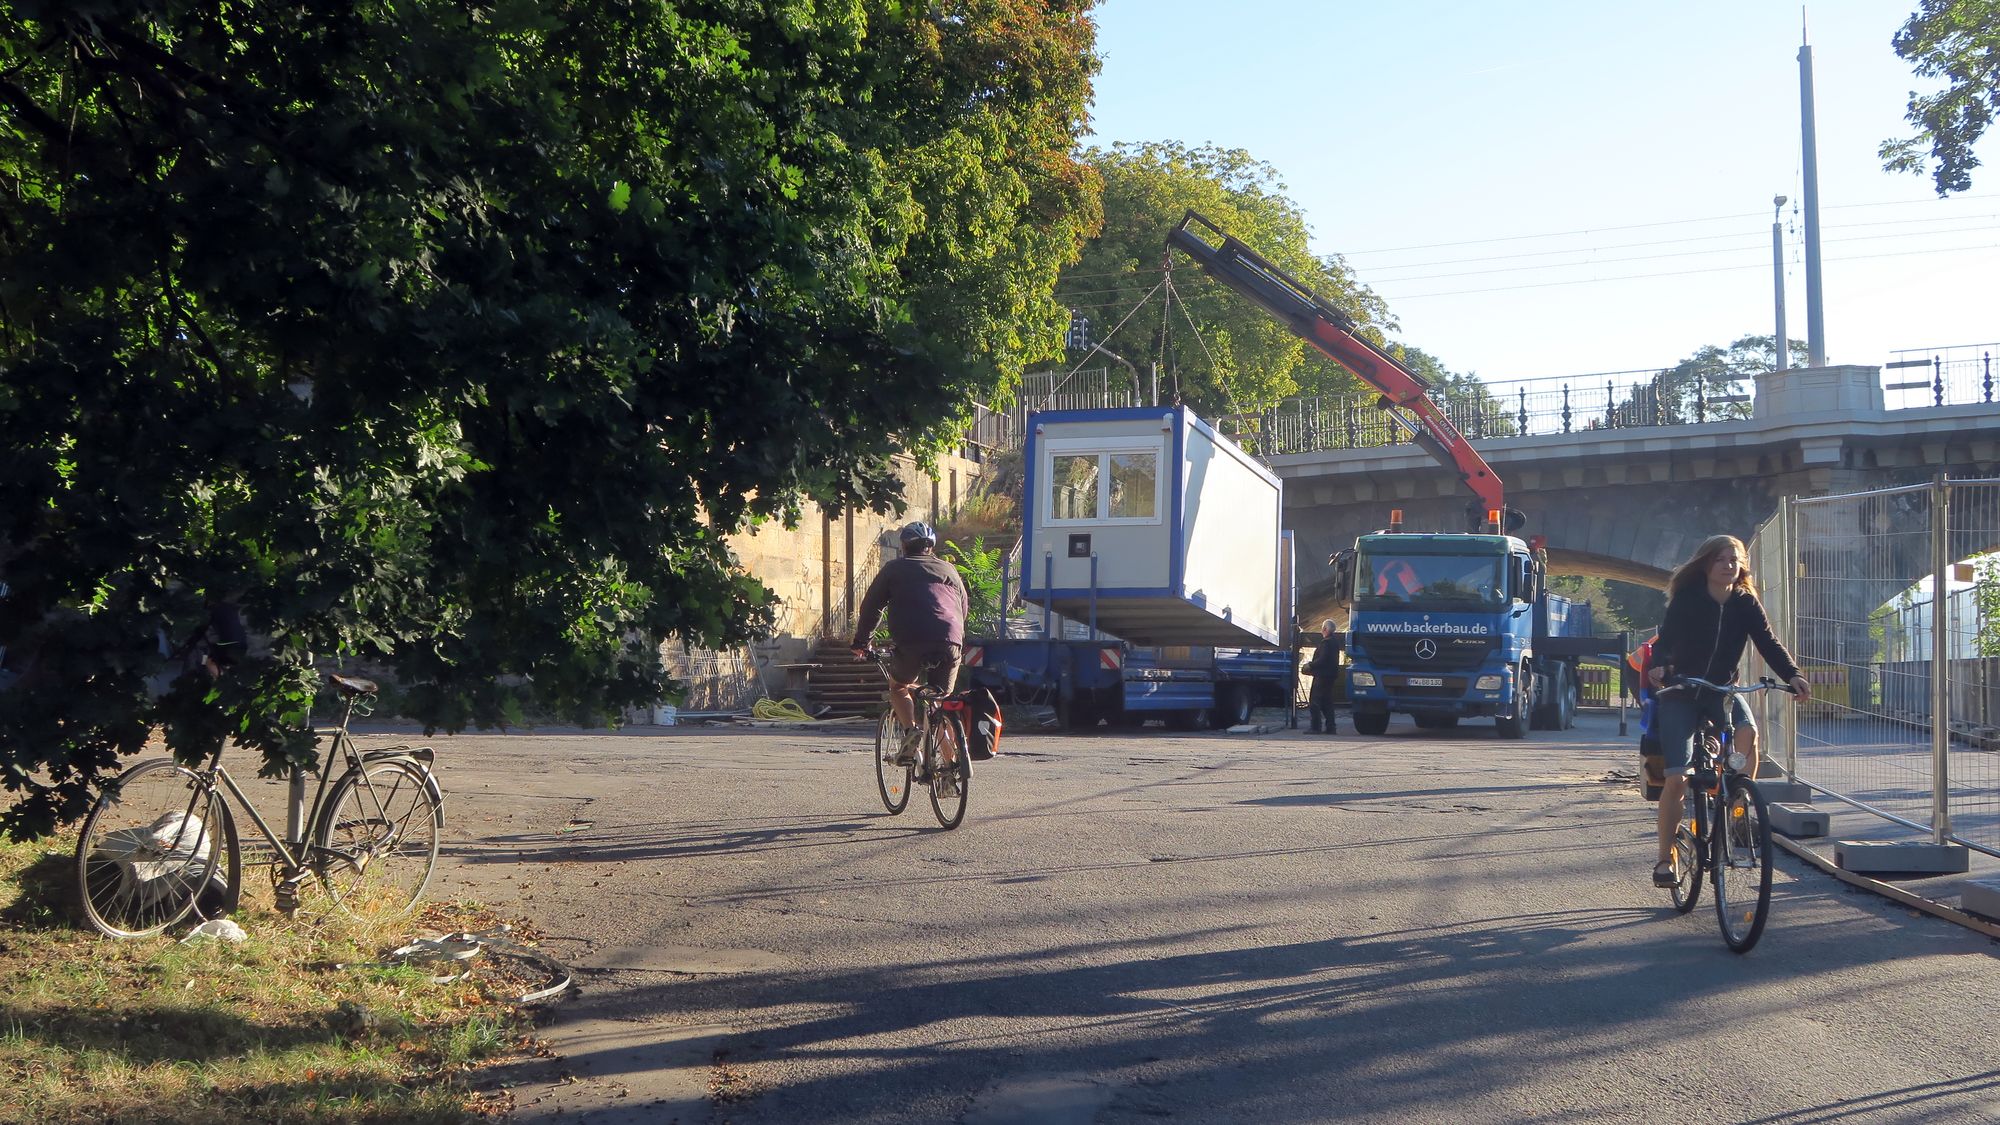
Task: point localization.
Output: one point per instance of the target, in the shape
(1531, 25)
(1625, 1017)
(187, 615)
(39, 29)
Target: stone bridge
(1630, 504)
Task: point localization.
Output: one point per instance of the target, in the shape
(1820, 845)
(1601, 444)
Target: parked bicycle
(943, 765)
(161, 842)
(1725, 832)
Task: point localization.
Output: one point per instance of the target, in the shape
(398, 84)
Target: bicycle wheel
(1687, 869)
(1743, 865)
(150, 849)
(376, 840)
(950, 782)
(891, 780)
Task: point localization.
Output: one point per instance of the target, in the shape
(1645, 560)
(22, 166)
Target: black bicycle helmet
(917, 531)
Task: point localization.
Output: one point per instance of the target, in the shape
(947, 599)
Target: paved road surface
(1432, 926)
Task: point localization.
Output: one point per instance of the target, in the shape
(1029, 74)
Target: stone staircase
(843, 683)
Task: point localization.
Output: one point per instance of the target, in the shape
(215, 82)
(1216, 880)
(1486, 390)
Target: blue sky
(1561, 188)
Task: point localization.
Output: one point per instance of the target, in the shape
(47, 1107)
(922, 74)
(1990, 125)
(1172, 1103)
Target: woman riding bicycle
(1712, 609)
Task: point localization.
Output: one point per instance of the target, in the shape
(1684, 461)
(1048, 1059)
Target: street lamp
(1778, 278)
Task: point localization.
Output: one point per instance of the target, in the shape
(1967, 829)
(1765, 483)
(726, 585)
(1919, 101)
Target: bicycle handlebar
(1764, 683)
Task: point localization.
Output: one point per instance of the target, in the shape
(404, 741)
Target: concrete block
(1980, 896)
(1797, 820)
(1785, 792)
(1895, 857)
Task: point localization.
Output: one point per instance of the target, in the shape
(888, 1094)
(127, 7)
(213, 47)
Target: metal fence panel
(1892, 599)
(1972, 589)
(1861, 563)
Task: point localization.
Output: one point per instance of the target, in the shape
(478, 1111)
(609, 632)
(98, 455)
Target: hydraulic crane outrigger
(1326, 328)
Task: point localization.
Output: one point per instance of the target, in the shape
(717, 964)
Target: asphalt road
(1434, 926)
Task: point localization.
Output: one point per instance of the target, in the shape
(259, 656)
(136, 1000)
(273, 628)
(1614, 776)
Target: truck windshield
(1394, 580)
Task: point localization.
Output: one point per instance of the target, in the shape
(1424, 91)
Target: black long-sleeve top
(1703, 637)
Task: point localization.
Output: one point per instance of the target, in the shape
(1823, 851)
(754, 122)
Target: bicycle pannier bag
(983, 723)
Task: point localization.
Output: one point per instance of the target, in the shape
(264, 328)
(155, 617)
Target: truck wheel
(1079, 714)
(1371, 722)
(1543, 716)
(1567, 697)
(1516, 724)
(1232, 707)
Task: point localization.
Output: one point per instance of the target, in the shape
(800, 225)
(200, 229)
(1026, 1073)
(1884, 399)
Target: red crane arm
(1333, 334)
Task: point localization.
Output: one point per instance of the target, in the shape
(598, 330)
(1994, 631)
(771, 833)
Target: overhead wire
(1637, 226)
(1674, 273)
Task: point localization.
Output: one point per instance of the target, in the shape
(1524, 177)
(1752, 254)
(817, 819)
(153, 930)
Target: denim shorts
(1677, 717)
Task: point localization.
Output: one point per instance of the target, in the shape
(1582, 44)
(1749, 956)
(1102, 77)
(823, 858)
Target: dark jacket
(1702, 637)
(1325, 662)
(925, 598)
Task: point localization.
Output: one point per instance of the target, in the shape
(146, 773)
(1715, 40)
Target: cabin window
(1103, 481)
(1073, 487)
(1134, 486)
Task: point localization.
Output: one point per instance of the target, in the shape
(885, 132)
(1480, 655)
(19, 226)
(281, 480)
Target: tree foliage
(456, 336)
(1958, 41)
(1221, 353)
(1698, 387)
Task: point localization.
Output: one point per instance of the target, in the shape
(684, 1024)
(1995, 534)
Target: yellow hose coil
(784, 709)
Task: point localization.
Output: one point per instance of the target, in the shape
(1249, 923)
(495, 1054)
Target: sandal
(1663, 874)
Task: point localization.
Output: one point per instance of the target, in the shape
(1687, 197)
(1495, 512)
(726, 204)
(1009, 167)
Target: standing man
(926, 601)
(1324, 667)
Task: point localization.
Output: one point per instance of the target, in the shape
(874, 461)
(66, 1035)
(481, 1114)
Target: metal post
(1093, 595)
(825, 575)
(1000, 625)
(847, 616)
(1624, 650)
(295, 809)
(1815, 311)
(1778, 279)
(1048, 589)
(1788, 515)
(1940, 663)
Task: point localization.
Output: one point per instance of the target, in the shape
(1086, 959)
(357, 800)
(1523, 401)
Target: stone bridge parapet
(1630, 504)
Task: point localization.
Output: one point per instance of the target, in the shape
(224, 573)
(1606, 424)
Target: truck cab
(1449, 626)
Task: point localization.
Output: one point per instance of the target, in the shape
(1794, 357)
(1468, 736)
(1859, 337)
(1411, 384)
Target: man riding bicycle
(926, 602)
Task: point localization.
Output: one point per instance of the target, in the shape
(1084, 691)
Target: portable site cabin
(1150, 524)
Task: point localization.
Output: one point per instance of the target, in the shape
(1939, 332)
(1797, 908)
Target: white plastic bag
(219, 929)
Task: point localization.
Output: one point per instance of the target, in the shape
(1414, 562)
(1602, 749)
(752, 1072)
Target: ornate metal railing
(1954, 376)
(1611, 400)
(1608, 401)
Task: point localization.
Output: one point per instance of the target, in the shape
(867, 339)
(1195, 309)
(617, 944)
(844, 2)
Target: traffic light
(1079, 333)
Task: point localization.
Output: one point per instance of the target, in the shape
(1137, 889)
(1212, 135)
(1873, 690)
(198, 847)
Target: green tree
(1958, 41)
(1227, 355)
(1696, 387)
(979, 565)
(455, 336)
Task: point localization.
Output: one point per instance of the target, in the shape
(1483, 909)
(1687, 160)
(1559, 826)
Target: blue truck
(1440, 627)
(1152, 549)
(1444, 627)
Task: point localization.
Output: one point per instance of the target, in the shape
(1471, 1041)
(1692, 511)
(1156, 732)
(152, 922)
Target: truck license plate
(1426, 681)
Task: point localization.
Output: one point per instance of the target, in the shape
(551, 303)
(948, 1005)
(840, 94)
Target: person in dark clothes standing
(1324, 668)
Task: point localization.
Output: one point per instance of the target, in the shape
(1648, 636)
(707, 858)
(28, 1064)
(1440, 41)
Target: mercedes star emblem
(1426, 649)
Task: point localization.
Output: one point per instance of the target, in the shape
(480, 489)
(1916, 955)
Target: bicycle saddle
(352, 685)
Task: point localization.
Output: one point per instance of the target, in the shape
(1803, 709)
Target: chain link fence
(1891, 600)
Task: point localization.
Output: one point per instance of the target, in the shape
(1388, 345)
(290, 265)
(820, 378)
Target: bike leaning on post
(943, 765)
(161, 841)
(1725, 830)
